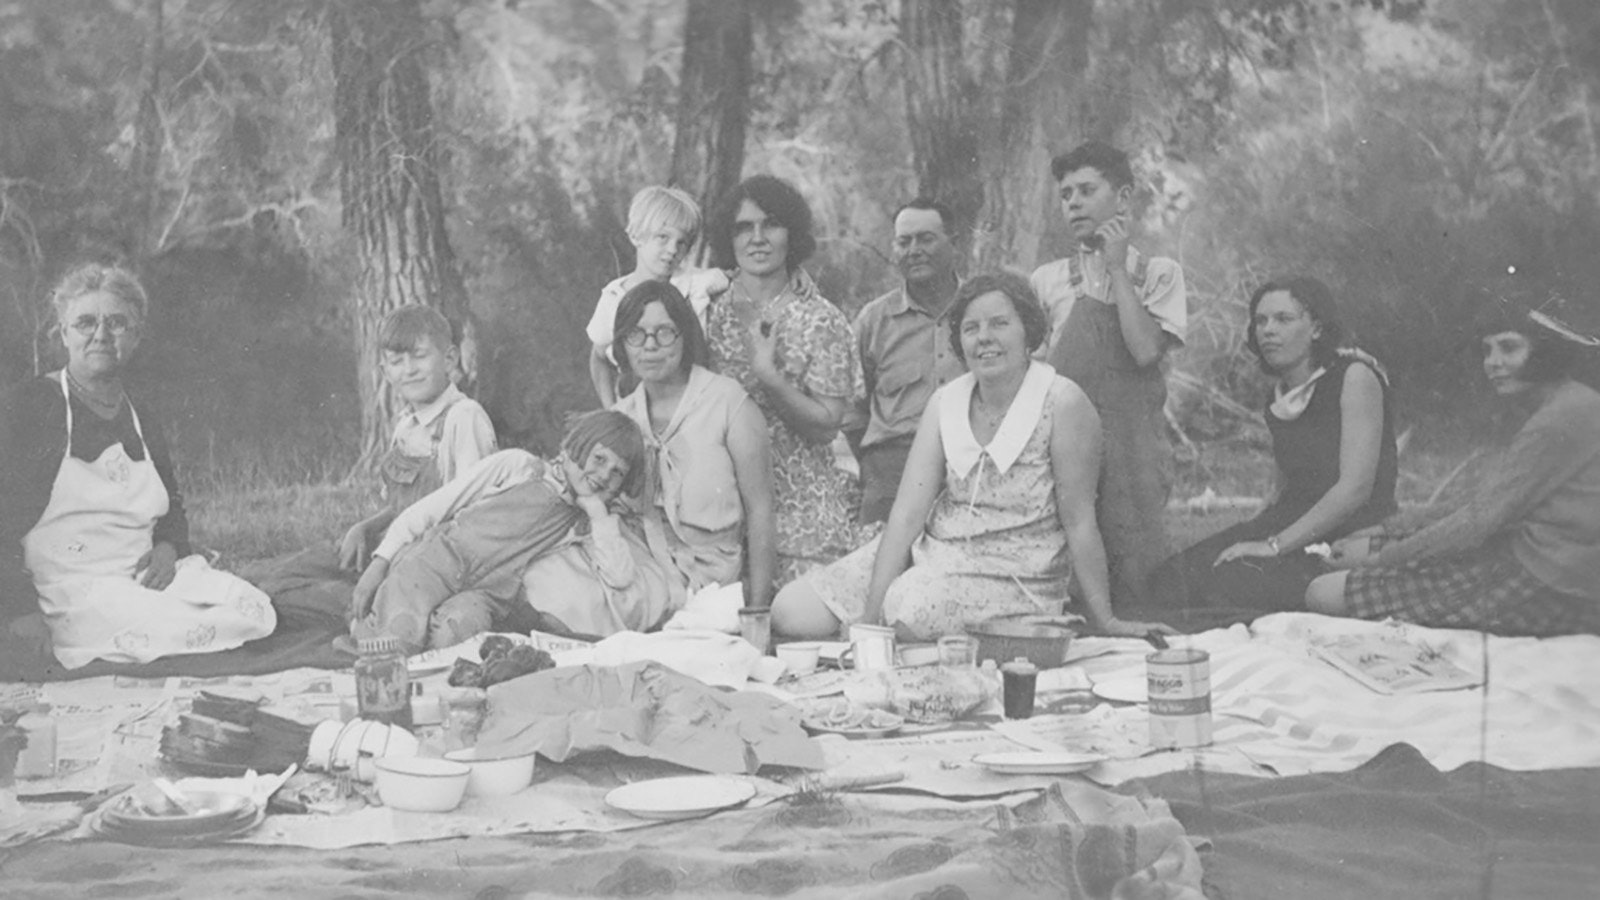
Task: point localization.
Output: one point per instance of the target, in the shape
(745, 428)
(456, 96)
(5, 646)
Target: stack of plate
(209, 817)
(280, 742)
(207, 746)
(228, 705)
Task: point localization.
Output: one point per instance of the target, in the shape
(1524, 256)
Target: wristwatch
(1272, 542)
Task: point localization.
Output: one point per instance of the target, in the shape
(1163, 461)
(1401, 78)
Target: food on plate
(503, 660)
(839, 714)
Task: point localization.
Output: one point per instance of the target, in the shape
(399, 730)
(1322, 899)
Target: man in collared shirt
(904, 341)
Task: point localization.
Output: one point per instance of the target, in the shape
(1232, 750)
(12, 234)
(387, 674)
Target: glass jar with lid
(383, 686)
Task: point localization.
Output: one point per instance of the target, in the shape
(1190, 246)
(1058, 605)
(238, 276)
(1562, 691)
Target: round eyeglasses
(665, 336)
(117, 323)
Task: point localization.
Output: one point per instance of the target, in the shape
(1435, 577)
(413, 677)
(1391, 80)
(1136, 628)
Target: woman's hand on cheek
(158, 564)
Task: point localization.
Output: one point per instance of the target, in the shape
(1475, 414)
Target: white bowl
(800, 656)
(496, 775)
(421, 783)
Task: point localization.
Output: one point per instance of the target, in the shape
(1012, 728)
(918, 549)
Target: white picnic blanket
(1279, 706)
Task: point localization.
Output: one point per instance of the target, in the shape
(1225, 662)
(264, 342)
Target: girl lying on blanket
(1522, 555)
(452, 563)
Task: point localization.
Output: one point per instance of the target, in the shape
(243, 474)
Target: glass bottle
(383, 686)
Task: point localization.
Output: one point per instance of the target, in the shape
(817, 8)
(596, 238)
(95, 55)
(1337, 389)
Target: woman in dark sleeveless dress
(1332, 426)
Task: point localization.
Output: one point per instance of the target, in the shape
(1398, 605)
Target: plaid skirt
(1487, 590)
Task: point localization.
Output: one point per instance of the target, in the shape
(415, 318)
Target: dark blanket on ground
(1395, 827)
(298, 642)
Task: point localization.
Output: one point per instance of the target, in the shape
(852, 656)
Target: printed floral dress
(815, 500)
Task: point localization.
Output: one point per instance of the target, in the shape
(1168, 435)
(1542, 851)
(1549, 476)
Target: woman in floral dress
(792, 351)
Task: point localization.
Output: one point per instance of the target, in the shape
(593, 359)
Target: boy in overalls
(1114, 315)
(438, 433)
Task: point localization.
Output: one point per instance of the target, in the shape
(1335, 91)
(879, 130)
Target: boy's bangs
(407, 327)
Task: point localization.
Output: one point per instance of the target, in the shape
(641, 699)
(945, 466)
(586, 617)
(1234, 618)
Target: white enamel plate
(1122, 690)
(1037, 762)
(680, 798)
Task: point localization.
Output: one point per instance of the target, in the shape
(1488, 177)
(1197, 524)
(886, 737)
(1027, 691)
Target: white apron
(98, 523)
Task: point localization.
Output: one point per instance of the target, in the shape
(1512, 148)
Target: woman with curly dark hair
(1333, 447)
(793, 352)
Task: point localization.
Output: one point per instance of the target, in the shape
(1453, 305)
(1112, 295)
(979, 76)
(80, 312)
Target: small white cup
(800, 656)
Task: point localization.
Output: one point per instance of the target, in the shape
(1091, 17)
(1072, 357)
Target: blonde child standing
(663, 224)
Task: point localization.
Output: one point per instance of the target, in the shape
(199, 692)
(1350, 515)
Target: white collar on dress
(961, 449)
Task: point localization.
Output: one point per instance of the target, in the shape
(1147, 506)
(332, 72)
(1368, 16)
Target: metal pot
(1040, 639)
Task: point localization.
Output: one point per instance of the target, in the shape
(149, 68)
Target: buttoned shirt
(467, 434)
(905, 356)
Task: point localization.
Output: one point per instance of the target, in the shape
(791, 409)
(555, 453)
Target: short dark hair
(631, 310)
(1097, 155)
(1317, 300)
(615, 431)
(946, 217)
(778, 199)
(403, 328)
(1551, 358)
(1035, 324)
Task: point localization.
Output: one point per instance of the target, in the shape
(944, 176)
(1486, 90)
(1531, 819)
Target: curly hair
(1317, 300)
(96, 277)
(1098, 155)
(778, 199)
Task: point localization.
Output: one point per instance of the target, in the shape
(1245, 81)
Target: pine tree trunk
(389, 179)
(941, 109)
(713, 100)
(1038, 118)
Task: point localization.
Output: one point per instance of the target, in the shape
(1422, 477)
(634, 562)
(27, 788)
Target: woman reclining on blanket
(1522, 555)
(92, 526)
(452, 563)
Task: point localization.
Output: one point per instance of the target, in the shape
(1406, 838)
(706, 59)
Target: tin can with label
(1180, 698)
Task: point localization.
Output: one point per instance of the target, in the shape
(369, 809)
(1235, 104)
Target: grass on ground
(253, 514)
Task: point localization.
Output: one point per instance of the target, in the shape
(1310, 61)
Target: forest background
(281, 173)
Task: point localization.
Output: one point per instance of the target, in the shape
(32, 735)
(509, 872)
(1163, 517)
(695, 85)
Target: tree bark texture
(389, 179)
(149, 135)
(713, 100)
(1039, 116)
(942, 110)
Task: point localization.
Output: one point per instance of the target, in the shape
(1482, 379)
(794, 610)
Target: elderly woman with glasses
(92, 528)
